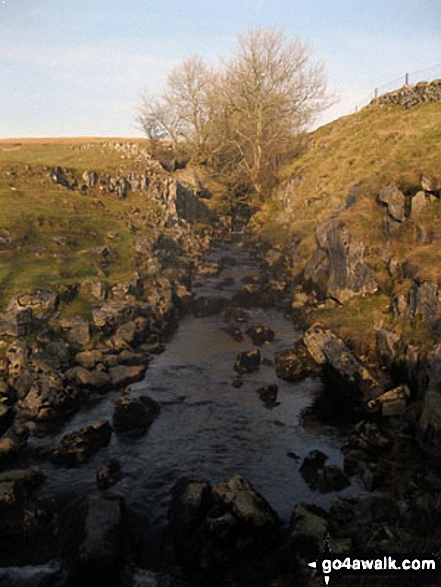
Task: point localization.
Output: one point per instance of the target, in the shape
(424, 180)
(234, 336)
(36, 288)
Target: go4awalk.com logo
(419, 567)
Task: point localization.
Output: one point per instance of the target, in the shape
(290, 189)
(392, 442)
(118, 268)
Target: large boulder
(93, 379)
(94, 542)
(215, 528)
(342, 370)
(134, 415)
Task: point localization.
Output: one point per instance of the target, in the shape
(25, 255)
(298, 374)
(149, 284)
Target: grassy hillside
(48, 232)
(359, 155)
(367, 150)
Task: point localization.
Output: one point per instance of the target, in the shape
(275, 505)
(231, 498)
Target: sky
(79, 67)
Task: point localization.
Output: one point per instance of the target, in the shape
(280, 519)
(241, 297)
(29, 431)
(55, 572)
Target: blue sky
(79, 67)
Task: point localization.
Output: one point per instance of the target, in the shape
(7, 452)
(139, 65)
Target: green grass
(53, 227)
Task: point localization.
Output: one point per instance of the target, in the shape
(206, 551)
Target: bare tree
(188, 88)
(181, 113)
(272, 90)
(244, 117)
(160, 121)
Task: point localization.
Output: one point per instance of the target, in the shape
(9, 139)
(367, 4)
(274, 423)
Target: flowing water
(208, 429)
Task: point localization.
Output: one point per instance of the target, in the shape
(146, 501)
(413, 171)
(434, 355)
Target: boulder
(95, 380)
(308, 529)
(89, 359)
(134, 415)
(260, 335)
(418, 203)
(395, 202)
(94, 546)
(77, 330)
(391, 403)
(16, 323)
(49, 398)
(321, 477)
(212, 529)
(295, 364)
(247, 361)
(131, 334)
(77, 448)
(342, 370)
(124, 375)
(40, 302)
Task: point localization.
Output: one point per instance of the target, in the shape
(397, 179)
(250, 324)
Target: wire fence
(407, 79)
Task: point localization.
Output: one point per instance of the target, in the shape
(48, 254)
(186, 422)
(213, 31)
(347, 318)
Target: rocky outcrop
(338, 266)
(395, 203)
(409, 96)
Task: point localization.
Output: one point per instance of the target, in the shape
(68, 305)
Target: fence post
(406, 81)
(376, 93)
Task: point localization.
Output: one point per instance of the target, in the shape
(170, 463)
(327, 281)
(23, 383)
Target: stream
(208, 429)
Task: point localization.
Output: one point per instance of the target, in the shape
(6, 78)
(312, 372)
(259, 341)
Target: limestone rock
(393, 402)
(77, 330)
(338, 269)
(342, 369)
(49, 398)
(124, 375)
(41, 302)
(16, 323)
(395, 202)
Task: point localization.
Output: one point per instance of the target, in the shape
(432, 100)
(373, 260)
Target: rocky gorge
(231, 408)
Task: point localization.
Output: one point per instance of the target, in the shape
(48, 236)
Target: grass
(52, 228)
(365, 152)
(359, 155)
